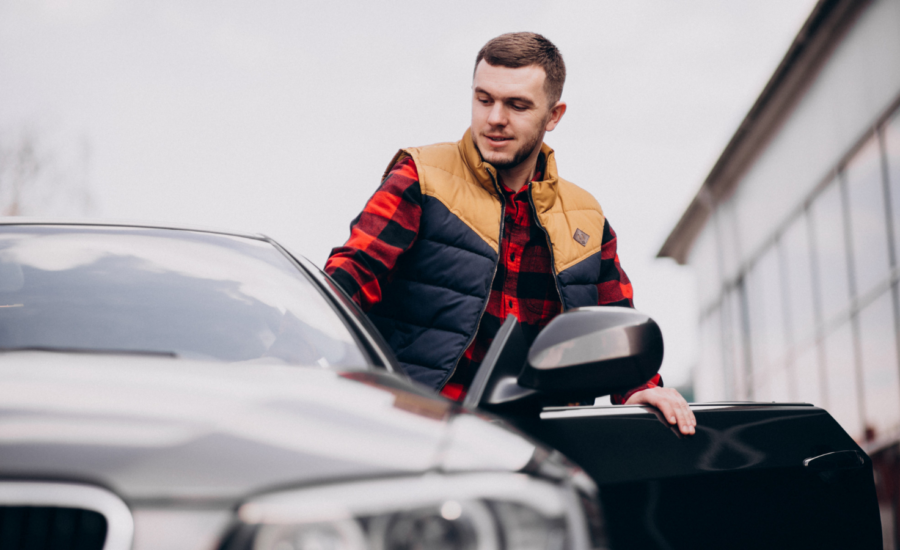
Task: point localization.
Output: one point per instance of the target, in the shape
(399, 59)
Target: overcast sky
(279, 117)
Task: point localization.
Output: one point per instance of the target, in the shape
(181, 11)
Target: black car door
(753, 476)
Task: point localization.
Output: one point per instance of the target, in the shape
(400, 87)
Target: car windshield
(181, 293)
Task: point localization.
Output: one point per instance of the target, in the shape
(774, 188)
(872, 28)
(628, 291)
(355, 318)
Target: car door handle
(840, 460)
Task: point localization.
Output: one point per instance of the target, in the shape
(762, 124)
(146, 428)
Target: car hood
(157, 429)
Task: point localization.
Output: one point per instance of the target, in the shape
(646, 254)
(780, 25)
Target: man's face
(510, 113)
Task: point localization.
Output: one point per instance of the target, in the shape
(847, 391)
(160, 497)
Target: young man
(460, 235)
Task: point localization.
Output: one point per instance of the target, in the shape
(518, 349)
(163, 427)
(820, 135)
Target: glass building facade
(812, 315)
(796, 239)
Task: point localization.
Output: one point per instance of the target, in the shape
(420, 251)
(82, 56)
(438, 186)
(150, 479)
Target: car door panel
(739, 482)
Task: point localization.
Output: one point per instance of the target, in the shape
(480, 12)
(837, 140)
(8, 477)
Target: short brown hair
(521, 49)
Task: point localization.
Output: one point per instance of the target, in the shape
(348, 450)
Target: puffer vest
(432, 306)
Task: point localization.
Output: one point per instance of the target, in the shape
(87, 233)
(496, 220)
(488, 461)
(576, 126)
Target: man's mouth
(497, 140)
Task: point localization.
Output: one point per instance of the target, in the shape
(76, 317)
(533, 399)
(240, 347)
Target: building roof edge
(816, 39)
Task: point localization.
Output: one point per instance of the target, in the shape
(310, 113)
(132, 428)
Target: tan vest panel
(455, 174)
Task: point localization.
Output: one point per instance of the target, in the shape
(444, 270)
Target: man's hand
(671, 404)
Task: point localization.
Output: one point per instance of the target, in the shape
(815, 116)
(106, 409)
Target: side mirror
(581, 354)
(594, 351)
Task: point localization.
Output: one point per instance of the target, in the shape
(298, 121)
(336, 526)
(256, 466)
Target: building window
(843, 403)
(892, 150)
(797, 265)
(705, 260)
(767, 329)
(708, 382)
(830, 250)
(868, 227)
(785, 328)
(881, 383)
(734, 324)
(728, 241)
(807, 376)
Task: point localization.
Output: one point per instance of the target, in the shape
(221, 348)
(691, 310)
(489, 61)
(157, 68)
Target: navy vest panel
(431, 307)
(578, 283)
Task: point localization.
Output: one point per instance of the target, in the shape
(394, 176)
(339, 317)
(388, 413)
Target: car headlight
(483, 511)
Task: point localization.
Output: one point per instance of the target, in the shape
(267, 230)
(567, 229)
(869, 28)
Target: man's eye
(517, 107)
(484, 101)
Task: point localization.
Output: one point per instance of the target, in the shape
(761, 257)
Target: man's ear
(556, 114)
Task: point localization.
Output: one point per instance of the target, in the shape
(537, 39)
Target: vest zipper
(490, 286)
(549, 246)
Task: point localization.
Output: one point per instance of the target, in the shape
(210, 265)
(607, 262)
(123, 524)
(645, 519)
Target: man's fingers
(691, 421)
(682, 419)
(691, 418)
(683, 411)
(667, 409)
(685, 424)
(677, 411)
(671, 404)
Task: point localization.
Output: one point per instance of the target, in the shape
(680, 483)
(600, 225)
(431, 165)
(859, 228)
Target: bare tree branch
(43, 176)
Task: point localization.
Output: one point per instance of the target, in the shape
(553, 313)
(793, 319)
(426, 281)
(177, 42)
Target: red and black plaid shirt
(524, 284)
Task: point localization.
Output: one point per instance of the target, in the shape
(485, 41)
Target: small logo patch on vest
(581, 237)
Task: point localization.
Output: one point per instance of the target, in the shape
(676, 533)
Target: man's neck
(519, 175)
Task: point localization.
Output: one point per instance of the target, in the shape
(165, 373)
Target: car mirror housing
(496, 382)
(594, 351)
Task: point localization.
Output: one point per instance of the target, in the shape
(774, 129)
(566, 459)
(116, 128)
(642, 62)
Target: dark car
(178, 388)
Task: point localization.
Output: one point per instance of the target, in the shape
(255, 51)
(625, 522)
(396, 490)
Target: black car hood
(175, 430)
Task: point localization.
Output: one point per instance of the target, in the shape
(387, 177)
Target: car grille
(39, 515)
(51, 528)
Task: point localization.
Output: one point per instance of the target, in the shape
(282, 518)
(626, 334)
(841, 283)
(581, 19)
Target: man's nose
(497, 116)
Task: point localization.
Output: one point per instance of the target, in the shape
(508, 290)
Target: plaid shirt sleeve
(614, 289)
(385, 229)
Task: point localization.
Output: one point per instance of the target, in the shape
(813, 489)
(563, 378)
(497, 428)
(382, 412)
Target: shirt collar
(538, 176)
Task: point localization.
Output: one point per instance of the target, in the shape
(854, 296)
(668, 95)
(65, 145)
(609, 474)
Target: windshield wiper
(101, 351)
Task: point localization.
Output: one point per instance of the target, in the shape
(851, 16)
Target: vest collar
(485, 174)
(543, 192)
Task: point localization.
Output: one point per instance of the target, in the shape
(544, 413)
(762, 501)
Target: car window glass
(191, 294)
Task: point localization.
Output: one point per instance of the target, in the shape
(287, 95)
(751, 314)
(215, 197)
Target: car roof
(21, 220)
